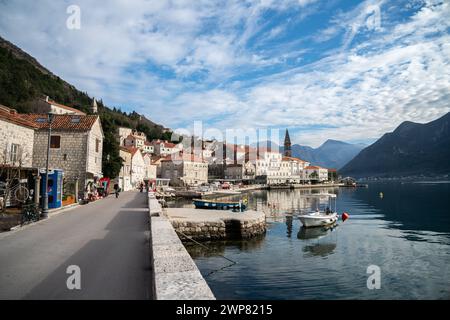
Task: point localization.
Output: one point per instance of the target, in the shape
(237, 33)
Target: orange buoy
(345, 216)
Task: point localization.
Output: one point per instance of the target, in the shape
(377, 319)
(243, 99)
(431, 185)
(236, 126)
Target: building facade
(244, 172)
(165, 148)
(45, 106)
(185, 170)
(150, 168)
(124, 178)
(76, 145)
(316, 173)
(16, 139)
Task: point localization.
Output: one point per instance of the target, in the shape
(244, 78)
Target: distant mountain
(412, 149)
(331, 154)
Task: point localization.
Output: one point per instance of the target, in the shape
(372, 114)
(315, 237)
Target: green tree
(111, 162)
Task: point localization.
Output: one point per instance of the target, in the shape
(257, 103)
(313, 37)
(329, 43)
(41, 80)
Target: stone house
(16, 139)
(44, 106)
(148, 148)
(165, 148)
(76, 145)
(124, 178)
(122, 133)
(240, 172)
(185, 169)
(137, 167)
(150, 168)
(16, 156)
(135, 139)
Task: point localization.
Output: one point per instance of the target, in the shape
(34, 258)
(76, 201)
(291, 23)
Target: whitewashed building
(150, 168)
(316, 173)
(165, 148)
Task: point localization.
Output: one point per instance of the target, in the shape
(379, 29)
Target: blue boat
(220, 205)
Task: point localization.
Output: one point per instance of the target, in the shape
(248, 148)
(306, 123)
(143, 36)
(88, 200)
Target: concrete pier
(202, 224)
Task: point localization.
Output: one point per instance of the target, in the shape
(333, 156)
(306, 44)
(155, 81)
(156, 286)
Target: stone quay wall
(217, 225)
(175, 275)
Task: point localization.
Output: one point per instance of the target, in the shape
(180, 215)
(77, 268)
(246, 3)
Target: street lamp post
(45, 202)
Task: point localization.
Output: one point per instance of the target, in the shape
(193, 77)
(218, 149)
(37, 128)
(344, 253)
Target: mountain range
(331, 154)
(411, 149)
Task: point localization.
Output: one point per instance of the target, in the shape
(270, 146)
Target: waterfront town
(75, 154)
(52, 163)
(224, 150)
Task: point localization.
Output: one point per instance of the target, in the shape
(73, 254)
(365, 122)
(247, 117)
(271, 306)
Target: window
(55, 142)
(14, 155)
(97, 145)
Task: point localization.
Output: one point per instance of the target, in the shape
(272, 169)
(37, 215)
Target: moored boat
(318, 219)
(321, 218)
(220, 205)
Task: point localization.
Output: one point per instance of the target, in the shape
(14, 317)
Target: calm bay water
(406, 233)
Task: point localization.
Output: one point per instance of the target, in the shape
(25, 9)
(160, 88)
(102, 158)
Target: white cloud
(400, 72)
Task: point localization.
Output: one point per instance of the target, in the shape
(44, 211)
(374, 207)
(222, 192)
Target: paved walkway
(107, 239)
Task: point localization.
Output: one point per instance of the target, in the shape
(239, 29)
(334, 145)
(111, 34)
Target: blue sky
(345, 70)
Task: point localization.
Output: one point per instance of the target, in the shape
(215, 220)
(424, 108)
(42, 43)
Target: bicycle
(30, 213)
(17, 192)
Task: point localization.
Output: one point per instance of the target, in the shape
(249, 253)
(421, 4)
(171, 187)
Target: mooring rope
(204, 246)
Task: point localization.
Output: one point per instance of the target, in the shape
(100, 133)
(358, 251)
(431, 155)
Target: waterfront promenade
(107, 239)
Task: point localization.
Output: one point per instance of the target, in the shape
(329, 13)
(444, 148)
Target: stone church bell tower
(287, 145)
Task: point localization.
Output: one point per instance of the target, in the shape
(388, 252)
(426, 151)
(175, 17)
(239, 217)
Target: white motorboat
(318, 219)
(321, 218)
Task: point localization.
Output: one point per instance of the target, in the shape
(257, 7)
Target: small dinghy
(320, 218)
(220, 205)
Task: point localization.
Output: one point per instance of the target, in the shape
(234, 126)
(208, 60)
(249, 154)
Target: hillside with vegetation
(23, 80)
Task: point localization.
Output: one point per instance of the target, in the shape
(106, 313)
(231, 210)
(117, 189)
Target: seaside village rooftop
(76, 153)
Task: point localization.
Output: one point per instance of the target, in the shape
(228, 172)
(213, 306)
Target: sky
(344, 70)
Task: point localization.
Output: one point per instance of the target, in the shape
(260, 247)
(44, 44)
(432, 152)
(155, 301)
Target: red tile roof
(12, 116)
(62, 121)
(125, 149)
(167, 144)
(131, 150)
(314, 167)
(292, 159)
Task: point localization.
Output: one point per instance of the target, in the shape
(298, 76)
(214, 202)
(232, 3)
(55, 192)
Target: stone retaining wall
(175, 275)
(226, 227)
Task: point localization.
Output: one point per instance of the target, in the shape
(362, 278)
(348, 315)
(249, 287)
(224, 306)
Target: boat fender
(345, 216)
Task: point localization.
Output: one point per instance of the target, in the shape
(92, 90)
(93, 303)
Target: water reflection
(314, 233)
(320, 241)
(289, 220)
(217, 248)
(396, 232)
(409, 205)
(320, 249)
